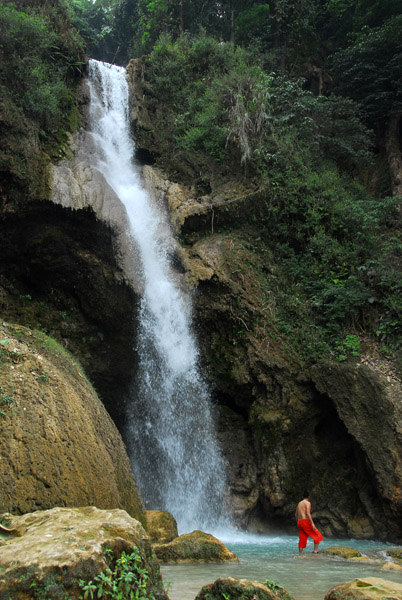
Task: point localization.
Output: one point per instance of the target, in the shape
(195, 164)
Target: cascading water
(172, 441)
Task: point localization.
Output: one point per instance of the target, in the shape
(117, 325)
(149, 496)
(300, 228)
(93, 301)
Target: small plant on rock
(127, 579)
(279, 591)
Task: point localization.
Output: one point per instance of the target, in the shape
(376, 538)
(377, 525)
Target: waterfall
(171, 438)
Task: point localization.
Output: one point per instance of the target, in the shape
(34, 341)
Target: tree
(370, 71)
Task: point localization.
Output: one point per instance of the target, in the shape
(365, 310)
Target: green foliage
(338, 243)
(253, 26)
(124, 578)
(220, 104)
(279, 591)
(40, 62)
(348, 346)
(370, 69)
(41, 59)
(5, 401)
(51, 587)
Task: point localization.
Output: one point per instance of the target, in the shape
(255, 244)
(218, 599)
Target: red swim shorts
(305, 530)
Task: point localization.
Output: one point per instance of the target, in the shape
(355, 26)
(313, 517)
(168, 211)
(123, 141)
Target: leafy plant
(6, 401)
(350, 345)
(125, 578)
(279, 591)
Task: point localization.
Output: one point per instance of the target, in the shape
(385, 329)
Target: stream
(276, 558)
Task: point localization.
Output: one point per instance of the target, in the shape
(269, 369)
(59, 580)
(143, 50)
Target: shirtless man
(306, 525)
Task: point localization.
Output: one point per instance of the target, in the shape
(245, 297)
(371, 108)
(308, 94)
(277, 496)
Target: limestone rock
(342, 551)
(391, 566)
(75, 184)
(161, 526)
(369, 588)
(181, 203)
(242, 476)
(241, 589)
(58, 445)
(369, 406)
(58, 547)
(195, 546)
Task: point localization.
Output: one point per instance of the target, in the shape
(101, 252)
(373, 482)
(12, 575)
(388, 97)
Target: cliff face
(285, 424)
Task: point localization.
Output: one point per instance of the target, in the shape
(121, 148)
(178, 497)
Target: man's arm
(308, 511)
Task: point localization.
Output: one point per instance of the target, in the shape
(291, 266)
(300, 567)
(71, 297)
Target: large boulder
(161, 526)
(59, 547)
(195, 546)
(241, 589)
(369, 588)
(58, 445)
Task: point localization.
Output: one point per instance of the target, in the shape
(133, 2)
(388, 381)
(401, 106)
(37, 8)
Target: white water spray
(172, 441)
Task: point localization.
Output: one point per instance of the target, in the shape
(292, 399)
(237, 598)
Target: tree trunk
(393, 150)
(181, 17)
(232, 30)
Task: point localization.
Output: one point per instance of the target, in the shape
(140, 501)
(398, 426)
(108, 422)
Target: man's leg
(302, 538)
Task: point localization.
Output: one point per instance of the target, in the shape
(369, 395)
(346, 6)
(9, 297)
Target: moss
(342, 551)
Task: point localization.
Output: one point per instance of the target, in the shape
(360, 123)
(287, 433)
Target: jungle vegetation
(301, 100)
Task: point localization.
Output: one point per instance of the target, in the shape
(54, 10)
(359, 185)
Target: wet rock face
(57, 548)
(369, 405)
(334, 430)
(58, 445)
(58, 273)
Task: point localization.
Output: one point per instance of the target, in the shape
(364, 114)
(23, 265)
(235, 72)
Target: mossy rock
(343, 552)
(242, 589)
(395, 553)
(58, 444)
(161, 526)
(57, 548)
(195, 546)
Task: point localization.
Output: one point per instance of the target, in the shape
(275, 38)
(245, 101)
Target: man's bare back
(303, 510)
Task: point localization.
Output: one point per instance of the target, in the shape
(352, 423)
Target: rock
(241, 589)
(391, 566)
(6, 532)
(195, 546)
(58, 547)
(369, 406)
(396, 553)
(76, 185)
(369, 588)
(342, 551)
(58, 445)
(241, 473)
(161, 526)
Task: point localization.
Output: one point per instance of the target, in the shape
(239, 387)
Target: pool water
(276, 558)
